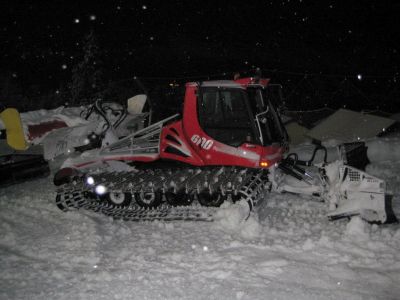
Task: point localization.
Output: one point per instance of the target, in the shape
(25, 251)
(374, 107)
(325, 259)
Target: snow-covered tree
(87, 75)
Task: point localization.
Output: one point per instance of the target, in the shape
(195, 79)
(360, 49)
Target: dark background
(324, 53)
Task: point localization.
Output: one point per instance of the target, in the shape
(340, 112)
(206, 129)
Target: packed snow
(289, 250)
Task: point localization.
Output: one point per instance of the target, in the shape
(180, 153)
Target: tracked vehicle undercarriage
(163, 194)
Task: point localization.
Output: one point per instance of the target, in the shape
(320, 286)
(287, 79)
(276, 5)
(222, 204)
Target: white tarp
(297, 133)
(348, 126)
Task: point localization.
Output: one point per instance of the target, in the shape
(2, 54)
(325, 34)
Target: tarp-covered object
(297, 133)
(297, 123)
(347, 126)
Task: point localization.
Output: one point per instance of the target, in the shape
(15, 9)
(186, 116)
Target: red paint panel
(38, 130)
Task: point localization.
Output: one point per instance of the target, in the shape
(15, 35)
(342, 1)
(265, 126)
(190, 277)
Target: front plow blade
(358, 193)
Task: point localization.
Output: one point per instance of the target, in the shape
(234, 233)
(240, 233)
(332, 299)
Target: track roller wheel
(59, 203)
(148, 199)
(211, 199)
(236, 198)
(119, 198)
(181, 198)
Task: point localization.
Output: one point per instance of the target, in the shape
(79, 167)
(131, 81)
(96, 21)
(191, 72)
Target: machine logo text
(202, 142)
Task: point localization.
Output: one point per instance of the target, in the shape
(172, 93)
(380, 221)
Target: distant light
(100, 189)
(384, 129)
(144, 7)
(152, 38)
(64, 66)
(359, 77)
(92, 17)
(358, 138)
(90, 180)
(263, 164)
(76, 21)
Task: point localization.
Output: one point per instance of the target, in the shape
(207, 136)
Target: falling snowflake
(92, 17)
(64, 66)
(76, 21)
(144, 7)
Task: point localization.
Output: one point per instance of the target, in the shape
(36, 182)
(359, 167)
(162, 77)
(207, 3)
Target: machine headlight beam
(100, 190)
(90, 180)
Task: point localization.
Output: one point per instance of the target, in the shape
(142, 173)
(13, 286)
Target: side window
(224, 116)
(277, 128)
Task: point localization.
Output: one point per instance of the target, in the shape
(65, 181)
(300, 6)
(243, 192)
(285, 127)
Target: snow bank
(236, 219)
(384, 149)
(357, 228)
(291, 251)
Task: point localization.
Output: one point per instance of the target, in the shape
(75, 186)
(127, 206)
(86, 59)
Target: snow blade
(358, 193)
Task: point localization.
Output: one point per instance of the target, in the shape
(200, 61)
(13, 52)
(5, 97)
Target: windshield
(234, 116)
(226, 116)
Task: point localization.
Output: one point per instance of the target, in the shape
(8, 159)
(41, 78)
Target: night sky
(41, 41)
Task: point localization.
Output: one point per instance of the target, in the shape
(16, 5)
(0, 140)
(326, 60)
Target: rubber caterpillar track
(192, 194)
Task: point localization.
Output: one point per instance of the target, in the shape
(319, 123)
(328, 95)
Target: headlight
(100, 189)
(90, 180)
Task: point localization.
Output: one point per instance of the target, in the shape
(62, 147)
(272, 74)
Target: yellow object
(14, 129)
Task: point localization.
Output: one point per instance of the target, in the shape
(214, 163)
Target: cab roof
(239, 83)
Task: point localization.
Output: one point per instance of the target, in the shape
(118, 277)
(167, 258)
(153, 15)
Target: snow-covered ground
(291, 252)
